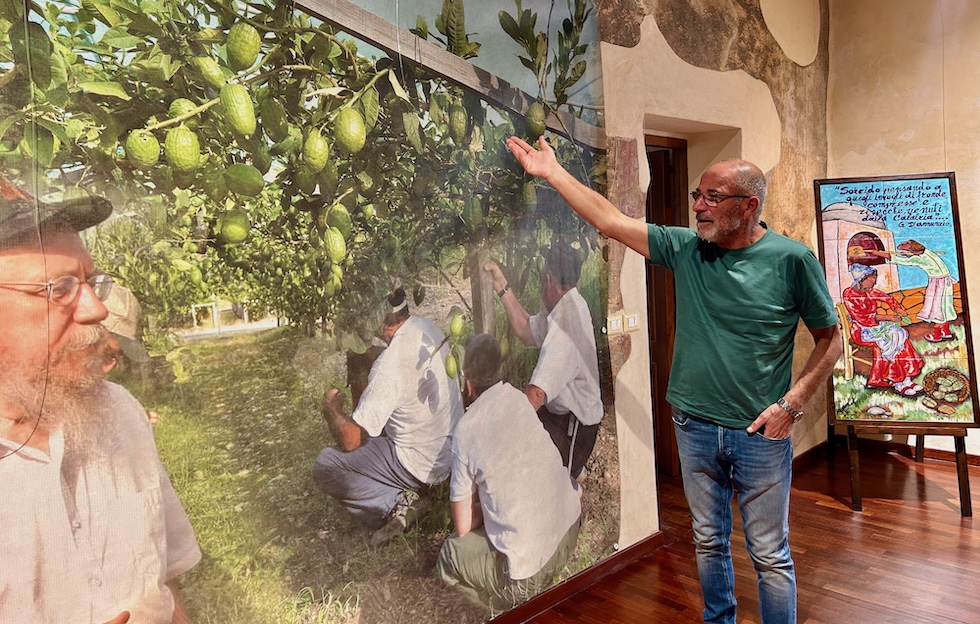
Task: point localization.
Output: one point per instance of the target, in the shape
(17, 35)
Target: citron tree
(257, 155)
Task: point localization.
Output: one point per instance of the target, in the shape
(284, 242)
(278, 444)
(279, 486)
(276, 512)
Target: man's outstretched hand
(537, 162)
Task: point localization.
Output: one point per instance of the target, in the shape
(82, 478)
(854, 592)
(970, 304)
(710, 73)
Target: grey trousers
(368, 481)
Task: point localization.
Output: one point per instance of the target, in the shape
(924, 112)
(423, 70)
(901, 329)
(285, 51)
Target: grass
(852, 396)
(238, 432)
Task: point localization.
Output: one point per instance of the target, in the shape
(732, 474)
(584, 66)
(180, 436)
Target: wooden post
(963, 475)
(481, 285)
(852, 455)
(402, 44)
(959, 439)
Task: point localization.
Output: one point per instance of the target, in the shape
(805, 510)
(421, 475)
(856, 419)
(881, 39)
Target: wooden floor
(908, 558)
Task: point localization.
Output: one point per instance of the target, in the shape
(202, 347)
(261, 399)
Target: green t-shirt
(736, 318)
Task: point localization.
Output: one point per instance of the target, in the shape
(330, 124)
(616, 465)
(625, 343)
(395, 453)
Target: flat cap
(22, 214)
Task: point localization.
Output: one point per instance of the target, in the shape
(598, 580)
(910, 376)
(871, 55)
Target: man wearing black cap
(93, 531)
(409, 398)
(514, 507)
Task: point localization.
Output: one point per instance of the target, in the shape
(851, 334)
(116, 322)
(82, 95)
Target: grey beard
(68, 393)
(90, 435)
(722, 230)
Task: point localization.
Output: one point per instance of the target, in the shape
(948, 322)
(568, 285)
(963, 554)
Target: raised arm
(589, 204)
(516, 314)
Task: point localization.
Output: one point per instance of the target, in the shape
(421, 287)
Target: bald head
(745, 177)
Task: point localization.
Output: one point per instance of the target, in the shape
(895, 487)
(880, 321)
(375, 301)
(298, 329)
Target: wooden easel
(959, 439)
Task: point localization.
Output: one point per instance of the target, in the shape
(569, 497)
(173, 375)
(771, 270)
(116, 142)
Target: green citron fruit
(335, 244)
(142, 149)
(316, 151)
(304, 180)
(210, 71)
(457, 123)
(456, 326)
(328, 179)
(529, 194)
(339, 218)
(349, 130)
(332, 285)
(273, 119)
(182, 106)
(233, 227)
(244, 179)
(472, 212)
(452, 368)
(182, 149)
(239, 113)
(536, 120)
(243, 45)
(262, 159)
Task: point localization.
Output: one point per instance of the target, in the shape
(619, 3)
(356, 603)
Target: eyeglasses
(712, 199)
(63, 291)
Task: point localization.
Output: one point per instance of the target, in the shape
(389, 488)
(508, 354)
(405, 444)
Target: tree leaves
(452, 23)
(119, 37)
(118, 65)
(110, 89)
(109, 15)
(413, 130)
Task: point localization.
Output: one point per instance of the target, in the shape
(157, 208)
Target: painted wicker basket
(946, 385)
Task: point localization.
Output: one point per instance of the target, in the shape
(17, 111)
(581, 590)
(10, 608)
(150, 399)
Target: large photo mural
(353, 352)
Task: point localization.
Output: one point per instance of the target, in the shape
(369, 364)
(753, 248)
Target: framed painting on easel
(892, 252)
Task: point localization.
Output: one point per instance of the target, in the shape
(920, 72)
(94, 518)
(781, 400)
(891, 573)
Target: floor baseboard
(581, 581)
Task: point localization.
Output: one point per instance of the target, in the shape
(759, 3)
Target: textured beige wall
(904, 97)
(796, 26)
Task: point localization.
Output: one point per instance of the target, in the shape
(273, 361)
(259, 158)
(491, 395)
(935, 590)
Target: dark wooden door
(667, 205)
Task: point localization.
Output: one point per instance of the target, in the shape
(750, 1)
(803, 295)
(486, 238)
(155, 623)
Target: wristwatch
(503, 291)
(789, 409)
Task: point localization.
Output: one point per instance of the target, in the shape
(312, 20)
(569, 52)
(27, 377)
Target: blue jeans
(715, 461)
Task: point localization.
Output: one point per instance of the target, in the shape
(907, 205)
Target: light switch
(631, 322)
(614, 325)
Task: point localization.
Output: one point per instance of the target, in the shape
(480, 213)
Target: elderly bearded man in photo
(92, 528)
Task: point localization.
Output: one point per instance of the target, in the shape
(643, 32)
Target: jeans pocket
(680, 419)
(775, 440)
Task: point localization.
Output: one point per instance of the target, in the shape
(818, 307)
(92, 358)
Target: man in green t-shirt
(740, 292)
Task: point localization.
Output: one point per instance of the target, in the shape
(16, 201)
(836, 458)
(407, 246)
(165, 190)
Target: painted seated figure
(877, 323)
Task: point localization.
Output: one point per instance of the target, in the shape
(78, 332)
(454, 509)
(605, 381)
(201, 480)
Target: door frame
(666, 204)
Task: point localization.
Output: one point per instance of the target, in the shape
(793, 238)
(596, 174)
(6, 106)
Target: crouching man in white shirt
(516, 511)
